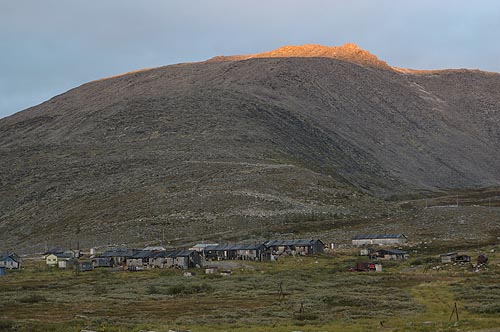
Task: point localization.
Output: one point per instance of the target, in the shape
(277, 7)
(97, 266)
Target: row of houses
(159, 257)
(266, 251)
(135, 259)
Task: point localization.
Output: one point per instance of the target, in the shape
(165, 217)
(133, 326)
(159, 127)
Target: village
(231, 286)
(375, 247)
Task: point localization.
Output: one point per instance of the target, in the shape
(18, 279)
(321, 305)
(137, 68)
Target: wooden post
(281, 293)
(454, 311)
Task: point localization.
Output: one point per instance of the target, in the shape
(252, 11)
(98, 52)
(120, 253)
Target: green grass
(318, 294)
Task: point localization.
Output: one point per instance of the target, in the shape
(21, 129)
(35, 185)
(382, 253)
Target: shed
(3, 271)
(449, 257)
(183, 259)
(140, 260)
(378, 239)
(85, 266)
(366, 251)
(159, 260)
(101, 262)
(10, 260)
(390, 254)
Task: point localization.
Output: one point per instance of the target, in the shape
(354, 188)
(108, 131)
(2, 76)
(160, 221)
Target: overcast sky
(48, 47)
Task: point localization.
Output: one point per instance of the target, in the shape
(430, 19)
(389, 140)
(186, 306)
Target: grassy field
(319, 294)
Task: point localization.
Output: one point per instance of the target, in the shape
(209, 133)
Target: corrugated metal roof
(181, 253)
(144, 254)
(296, 243)
(125, 252)
(236, 246)
(378, 236)
(393, 251)
(11, 255)
(173, 254)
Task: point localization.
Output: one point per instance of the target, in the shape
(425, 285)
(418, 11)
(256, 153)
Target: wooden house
(10, 261)
(101, 262)
(378, 239)
(390, 254)
(454, 257)
(239, 251)
(295, 247)
(60, 260)
(119, 257)
(183, 259)
(158, 260)
(85, 266)
(140, 260)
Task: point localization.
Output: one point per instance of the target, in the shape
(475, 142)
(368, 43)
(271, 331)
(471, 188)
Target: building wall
(361, 242)
(448, 258)
(51, 260)
(9, 263)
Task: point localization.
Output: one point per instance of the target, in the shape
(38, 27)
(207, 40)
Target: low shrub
(305, 316)
(188, 289)
(33, 298)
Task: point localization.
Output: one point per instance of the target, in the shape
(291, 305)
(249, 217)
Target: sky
(48, 47)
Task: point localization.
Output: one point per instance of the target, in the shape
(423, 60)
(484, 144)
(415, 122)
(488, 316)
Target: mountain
(241, 146)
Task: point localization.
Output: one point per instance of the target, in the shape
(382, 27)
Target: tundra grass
(292, 294)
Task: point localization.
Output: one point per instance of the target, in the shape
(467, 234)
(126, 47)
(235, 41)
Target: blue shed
(3, 270)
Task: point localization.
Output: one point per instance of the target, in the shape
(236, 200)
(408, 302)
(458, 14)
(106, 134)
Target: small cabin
(391, 254)
(449, 257)
(10, 261)
(60, 260)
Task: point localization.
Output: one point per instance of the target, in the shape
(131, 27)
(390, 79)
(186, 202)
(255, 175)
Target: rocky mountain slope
(241, 145)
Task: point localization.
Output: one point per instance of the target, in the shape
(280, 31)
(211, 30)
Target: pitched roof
(173, 254)
(393, 251)
(62, 255)
(122, 252)
(56, 250)
(235, 246)
(154, 248)
(296, 243)
(11, 255)
(378, 236)
(204, 245)
(144, 254)
(181, 253)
